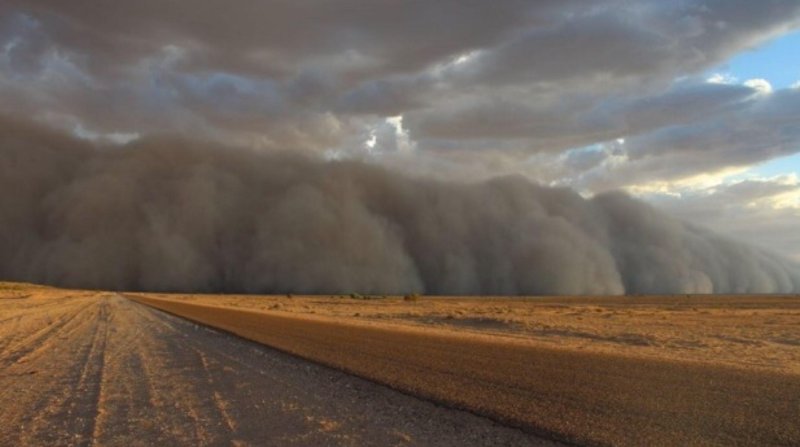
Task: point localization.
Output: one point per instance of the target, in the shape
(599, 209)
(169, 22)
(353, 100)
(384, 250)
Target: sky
(690, 105)
(776, 61)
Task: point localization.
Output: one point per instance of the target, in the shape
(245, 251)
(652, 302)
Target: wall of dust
(169, 214)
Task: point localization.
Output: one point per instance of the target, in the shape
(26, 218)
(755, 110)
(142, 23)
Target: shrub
(411, 297)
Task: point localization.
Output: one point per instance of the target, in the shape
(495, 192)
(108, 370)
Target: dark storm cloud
(596, 94)
(761, 129)
(609, 48)
(635, 40)
(275, 38)
(170, 214)
(297, 64)
(558, 123)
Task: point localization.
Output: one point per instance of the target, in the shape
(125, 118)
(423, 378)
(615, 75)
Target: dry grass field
(751, 332)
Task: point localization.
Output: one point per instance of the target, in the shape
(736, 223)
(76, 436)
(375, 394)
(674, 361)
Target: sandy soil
(86, 368)
(751, 332)
(586, 396)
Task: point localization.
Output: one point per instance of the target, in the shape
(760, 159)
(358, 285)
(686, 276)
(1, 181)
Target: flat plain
(745, 331)
(669, 370)
(84, 367)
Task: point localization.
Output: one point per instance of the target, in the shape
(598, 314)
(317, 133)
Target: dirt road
(97, 369)
(582, 397)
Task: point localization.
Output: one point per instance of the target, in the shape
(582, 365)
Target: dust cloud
(168, 214)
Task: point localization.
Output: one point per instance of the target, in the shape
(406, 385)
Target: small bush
(411, 297)
(358, 296)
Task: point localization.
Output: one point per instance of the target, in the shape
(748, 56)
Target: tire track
(95, 379)
(23, 348)
(177, 406)
(219, 402)
(15, 334)
(27, 308)
(137, 402)
(57, 415)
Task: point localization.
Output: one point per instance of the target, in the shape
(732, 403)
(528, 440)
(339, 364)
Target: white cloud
(687, 185)
(763, 210)
(722, 78)
(403, 141)
(762, 86)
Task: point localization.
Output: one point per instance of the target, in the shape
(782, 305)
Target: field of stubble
(758, 332)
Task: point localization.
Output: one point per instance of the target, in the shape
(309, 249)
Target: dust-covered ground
(99, 368)
(93, 368)
(751, 332)
(581, 396)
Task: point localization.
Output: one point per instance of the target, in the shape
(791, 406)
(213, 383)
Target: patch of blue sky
(777, 61)
(769, 169)
(778, 166)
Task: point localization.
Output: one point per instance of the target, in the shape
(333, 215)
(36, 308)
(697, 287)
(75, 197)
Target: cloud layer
(170, 214)
(596, 96)
(544, 76)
